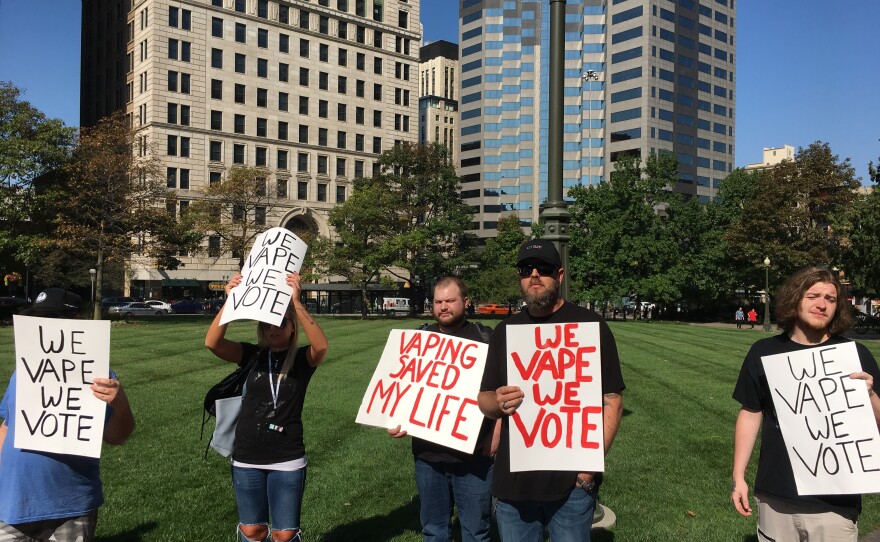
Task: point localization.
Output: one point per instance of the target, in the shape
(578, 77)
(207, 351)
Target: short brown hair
(452, 279)
(789, 296)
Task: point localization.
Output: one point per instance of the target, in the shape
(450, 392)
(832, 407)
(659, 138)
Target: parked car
(108, 302)
(494, 308)
(159, 305)
(213, 306)
(134, 309)
(187, 306)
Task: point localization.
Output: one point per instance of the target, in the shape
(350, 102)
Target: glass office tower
(640, 77)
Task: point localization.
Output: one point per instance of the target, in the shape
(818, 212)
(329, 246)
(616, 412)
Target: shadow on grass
(132, 535)
(379, 528)
(627, 412)
(601, 535)
(751, 538)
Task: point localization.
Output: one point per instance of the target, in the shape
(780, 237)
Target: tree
(32, 147)
(234, 210)
(113, 199)
(619, 246)
(360, 250)
(863, 245)
(428, 234)
(495, 278)
(796, 214)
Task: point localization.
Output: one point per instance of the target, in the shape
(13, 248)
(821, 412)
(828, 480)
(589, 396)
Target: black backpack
(231, 386)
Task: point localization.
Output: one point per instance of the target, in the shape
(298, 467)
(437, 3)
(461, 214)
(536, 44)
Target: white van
(391, 305)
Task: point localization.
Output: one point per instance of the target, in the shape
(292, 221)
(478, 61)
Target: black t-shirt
(436, 453)
(541, 485)
(271, 431)
(775, 476)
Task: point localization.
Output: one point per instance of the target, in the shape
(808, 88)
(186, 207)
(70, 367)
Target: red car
(494, 308)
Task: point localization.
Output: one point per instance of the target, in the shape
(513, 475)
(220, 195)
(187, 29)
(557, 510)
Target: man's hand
(396, 432)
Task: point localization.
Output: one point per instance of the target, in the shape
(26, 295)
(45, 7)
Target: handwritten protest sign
(826, 420)
(263, 293)
(428, 384)
(558, 426)
(56, 361)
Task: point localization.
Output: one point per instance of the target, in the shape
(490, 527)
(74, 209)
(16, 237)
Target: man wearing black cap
(47, 496)
(560, 501)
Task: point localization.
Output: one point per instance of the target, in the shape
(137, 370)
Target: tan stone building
(773, 156)
(312, 91)
(438, 95)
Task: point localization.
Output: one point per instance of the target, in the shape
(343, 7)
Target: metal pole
(554, 211)
(767, 326)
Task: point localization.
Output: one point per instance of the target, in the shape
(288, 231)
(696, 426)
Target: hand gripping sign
(558, 426)
(826, 420)
(56, 360)
(263, 294)
(428, 383)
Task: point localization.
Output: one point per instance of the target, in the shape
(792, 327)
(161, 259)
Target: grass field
(668, 475)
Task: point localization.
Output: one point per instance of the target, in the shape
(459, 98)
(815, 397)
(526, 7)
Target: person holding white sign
(269, 457)
(445, 476)
(563, 502)
(811, 311)
(51, 496)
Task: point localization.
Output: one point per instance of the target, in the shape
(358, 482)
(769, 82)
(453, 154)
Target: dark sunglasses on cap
(266, 325)
(544, 269)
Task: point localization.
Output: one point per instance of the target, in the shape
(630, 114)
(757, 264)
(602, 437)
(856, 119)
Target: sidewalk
(873, 537)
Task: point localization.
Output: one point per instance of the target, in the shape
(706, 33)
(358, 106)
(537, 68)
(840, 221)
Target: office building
(312, 91)
(773, 156)
(640, 77)
(438, 95)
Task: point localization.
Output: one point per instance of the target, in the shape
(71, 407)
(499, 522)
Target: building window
(304, 19)
(340, 194)
(216, 153)
(302, 162)
(240, 61)
(184, 185)
(240, 32)
(283, 70)
(171, 177)
(377, 92)
(216, 89)
(281, 188)
(359, 115)
(304, 77)
(237, 154)
(341, 138)
(322, 164)
(340, 167)
(322, 109)
(360, 61)
(184, 147)
(281, 161)
(322, 137)
(240, 91)
(262, 67)
(283, 43)
(262, 38)
(322, 192)
(260, 216)
(303, 133)
(216, 120)
(341, 112)
(261, 127)
(402, 19)
(377, 119)
(377, 66)
(342, 85)
(217, 58)
(238, 125)
(323, 81)
(303, 105)
(171, 148)
(304, 48)
(324, 52)
(282, 101)
(302, 190)
(343, 57)
(214, 246)
(262, 97)
(377, 145)
(260, 158)
(282, 130)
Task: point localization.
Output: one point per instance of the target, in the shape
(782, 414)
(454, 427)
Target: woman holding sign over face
(269, 460)
(812, 314)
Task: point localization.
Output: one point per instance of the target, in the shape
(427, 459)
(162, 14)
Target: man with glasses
(529, 502)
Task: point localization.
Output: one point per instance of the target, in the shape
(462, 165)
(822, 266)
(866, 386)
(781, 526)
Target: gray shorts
(78, 529)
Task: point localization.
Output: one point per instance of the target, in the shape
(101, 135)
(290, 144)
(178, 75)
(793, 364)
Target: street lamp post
(767, 326)
(588, 76)
(92, 273)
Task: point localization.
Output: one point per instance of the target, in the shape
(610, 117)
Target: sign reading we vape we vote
(826, 419)
(56, 361)
(558, 426)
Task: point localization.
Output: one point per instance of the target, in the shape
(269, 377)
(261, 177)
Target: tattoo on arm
(307, 315)
(607, 398)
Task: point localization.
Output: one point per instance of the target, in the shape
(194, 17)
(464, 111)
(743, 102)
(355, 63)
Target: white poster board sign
(558, 426)
(263, 294)
(56, 360)
(427, 383)
(826, 420)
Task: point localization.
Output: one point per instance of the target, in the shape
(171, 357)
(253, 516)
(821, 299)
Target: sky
(807, 70)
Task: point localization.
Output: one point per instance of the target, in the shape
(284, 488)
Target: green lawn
(668, 473)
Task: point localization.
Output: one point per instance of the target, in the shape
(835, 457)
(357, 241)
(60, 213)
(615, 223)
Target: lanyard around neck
(274, 390)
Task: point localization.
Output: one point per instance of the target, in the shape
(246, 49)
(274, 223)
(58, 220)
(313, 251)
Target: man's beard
(541, 302)
(455, 322)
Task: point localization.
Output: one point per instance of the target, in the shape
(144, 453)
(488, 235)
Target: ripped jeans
(261, 493)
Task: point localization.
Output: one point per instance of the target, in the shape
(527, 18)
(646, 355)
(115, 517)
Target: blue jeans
(568, 520)
(260, 493)
(468, 486)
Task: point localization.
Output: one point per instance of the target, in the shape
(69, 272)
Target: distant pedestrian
(753, 317)
(739, 317)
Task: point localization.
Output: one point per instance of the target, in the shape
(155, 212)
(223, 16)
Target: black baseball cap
(539, 249)
(54, 300)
